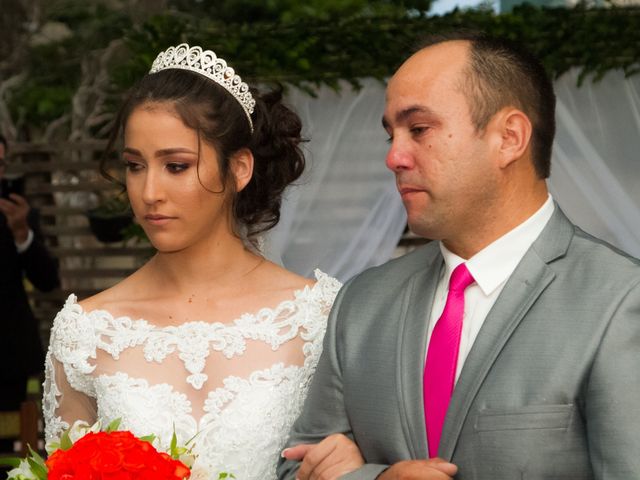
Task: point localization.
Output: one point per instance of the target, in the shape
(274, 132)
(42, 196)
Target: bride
(208, 339)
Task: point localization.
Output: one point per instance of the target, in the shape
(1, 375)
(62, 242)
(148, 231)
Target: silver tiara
(205, 62)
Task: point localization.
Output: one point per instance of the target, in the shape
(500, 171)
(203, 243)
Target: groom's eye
(419, 130)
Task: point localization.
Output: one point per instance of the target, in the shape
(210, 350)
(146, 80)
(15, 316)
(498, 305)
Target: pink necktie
(442, 357)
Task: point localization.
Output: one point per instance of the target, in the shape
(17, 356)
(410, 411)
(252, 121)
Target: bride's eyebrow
(132, 151)
(165, 152)
(172, 151)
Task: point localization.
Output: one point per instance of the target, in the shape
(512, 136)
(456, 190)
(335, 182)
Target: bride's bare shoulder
(112, 298)
(279, 278)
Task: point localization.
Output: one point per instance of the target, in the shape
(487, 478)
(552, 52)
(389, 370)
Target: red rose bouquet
(115, 455)
(86, 453)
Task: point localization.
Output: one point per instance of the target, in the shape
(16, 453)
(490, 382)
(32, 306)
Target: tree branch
(7, 125)
(54, 126)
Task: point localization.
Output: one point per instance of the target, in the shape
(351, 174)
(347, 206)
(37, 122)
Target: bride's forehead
(160, 121)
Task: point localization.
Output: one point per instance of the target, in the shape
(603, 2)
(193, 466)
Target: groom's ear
(515, 131)
(241, 165)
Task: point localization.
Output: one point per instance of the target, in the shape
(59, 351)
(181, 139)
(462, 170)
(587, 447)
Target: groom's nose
(398, 157)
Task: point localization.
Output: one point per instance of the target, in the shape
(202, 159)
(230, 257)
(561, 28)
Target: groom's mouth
(408, 191)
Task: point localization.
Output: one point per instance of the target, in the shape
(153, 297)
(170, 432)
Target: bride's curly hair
(220, 120)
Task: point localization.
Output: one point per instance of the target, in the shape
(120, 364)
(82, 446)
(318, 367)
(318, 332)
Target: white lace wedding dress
(236, 387)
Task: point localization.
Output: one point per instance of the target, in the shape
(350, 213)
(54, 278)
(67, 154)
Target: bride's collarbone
(211, 303)
(175, 310)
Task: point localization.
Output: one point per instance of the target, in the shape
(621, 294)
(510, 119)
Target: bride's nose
(153, 190)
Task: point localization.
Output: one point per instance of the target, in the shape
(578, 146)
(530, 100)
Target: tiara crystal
(207, 63)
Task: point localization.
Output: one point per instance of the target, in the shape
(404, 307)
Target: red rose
(108, 460)
(113, 456)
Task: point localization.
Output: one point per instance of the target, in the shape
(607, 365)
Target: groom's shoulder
(398, 270)
(595, 257)
(568, 248)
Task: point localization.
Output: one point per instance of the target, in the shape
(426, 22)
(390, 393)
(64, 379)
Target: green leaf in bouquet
(65, 441)
(12, 462)
(179, 451)
(38, 469)
(174, 446)
(36, 457)
(148, 438)
(53, 446)
(113, 426)
(224, 475)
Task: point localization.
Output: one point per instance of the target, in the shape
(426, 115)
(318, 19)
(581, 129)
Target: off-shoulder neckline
(308, 291)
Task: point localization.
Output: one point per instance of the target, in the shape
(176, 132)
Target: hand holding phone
(9, 185)
(15, 207)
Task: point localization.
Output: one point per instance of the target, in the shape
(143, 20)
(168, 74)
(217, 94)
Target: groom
(509, 347)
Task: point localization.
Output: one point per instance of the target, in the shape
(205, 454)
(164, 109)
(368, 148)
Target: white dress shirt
(24, 246)
(491, 267)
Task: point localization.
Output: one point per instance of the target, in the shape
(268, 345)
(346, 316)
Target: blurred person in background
(22, 254)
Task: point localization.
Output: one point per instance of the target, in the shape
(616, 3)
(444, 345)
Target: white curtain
(595, 173)
(346, 215)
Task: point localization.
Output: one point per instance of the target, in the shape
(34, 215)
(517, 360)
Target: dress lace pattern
(239, 425)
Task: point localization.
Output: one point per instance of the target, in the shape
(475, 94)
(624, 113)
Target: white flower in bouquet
(78, 430)
(22, 472)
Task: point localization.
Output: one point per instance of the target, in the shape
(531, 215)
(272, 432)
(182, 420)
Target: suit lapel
(523, 288)
(411, 350)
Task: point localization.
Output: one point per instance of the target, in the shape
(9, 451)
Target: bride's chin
(167, 247)
(164, 243)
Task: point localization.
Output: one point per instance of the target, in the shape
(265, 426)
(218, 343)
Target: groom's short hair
(502, 73)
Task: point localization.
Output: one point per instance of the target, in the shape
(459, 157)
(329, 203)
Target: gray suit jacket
(550, 389)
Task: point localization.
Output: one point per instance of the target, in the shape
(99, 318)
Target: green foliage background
(309, 43)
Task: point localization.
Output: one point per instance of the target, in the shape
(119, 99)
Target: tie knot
(461, 278)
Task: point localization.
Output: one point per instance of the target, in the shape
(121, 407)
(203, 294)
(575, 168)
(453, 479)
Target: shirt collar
(493, 265)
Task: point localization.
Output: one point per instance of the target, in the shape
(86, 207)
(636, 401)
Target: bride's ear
(242, 168)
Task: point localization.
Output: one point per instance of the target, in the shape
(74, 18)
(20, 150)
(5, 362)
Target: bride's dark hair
(220, 120)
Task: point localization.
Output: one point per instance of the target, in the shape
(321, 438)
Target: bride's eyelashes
(177, 167)
(132, 166)
(174, 168)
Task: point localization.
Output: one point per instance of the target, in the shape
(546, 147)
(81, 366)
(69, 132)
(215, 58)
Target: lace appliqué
(252, 414)
(137, 402)
(51, 391)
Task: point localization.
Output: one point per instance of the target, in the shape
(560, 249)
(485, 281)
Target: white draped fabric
(346, 214)
(595, 175)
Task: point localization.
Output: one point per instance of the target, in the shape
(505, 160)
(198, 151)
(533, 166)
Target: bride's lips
(158, 220)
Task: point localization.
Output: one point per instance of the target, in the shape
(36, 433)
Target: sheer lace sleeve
(67, 391)
(315, 324)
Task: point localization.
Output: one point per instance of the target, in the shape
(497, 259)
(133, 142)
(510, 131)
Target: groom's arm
(322, 442)
(324, 412)
(338, 457)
